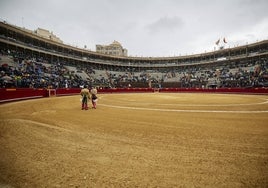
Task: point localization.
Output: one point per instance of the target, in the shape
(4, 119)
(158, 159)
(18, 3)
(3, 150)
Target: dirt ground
(136, 140)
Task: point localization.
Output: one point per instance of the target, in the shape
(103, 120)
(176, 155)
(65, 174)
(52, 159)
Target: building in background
(114, 49)
(48, 35)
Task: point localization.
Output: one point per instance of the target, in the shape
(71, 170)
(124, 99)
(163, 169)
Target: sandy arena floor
(136, 140)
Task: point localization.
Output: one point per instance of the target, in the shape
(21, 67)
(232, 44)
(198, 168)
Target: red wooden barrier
(14, 94)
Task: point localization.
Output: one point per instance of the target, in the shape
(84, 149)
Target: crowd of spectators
(21, 71)
(27, 72)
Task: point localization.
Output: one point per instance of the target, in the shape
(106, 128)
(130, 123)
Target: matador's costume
(94, 97)
(85, 98)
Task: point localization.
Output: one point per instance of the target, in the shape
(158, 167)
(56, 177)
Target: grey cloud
(165, 24)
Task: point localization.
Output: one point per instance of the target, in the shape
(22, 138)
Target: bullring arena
(195, 120)
(136, 140)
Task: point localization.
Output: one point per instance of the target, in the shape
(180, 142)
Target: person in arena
(94, 97)
(85, 97)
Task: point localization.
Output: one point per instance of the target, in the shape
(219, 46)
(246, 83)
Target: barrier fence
(15, 94)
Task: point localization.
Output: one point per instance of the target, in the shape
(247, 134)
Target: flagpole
(214, 53)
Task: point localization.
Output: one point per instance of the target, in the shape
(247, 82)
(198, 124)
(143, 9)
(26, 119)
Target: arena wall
(15, 94)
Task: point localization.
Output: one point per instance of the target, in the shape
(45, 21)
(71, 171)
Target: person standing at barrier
(85, 97)
(94, 97)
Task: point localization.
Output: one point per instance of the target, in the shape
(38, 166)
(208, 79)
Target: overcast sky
(144, 27)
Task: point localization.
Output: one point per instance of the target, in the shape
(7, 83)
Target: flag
(217, 42)
(224, 40)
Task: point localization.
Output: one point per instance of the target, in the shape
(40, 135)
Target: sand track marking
(188, 111)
